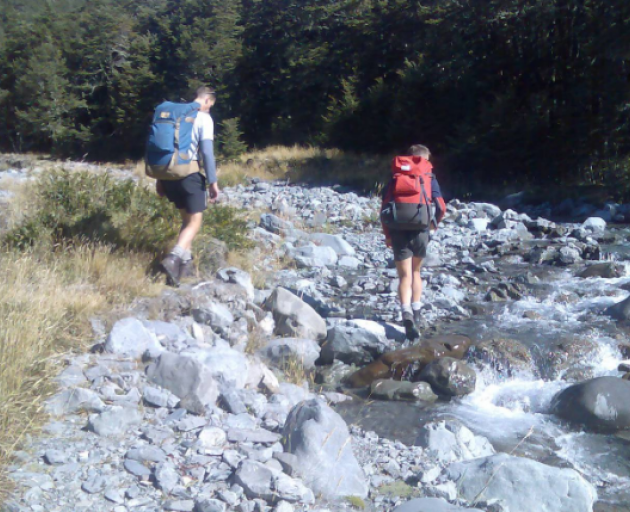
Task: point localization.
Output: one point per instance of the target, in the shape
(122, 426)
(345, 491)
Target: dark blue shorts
(188, 194)
(409, 243)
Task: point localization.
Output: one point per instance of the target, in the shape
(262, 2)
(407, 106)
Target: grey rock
(450, 377)
(607, 270)
(212, 437)
(191, 423)
(349, 262)
(320, 440)
(114, 496)
(478, 225)
(159, 397)
(259, 481)
(451, 441)
(114, 421)
(131, 338)
(354, 342)
(228, 367)
(274, 224)
(70, 377)
(335, 242)
(212, 313)
(432, 505)
(209, 505)
(146, 453)
(293, 317)
(523, 484)
(241, 435)
(238, 277)
(620, 310)
(71, 401)
(94, 485)
(283, 351)
(137, 469)
(166, 477)
(594, 224)
(184, 377)
(387, 389)
(179, 505)
(55, 457)
(600, 403)
(314, 256)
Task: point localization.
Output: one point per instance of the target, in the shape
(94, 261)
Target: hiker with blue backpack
(408, 218)
(180, 156)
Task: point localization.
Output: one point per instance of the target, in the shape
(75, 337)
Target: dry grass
(45, 306)
(293, 371)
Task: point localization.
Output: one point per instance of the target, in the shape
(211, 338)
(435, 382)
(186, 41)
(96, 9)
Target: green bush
(77, 207)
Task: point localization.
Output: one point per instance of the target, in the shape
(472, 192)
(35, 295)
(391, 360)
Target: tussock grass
(307, 165)
(46, 302)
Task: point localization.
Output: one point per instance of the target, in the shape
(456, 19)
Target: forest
(502, 91)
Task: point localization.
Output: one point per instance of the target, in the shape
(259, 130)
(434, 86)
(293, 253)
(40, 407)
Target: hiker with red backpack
(180, 156)
(407, 218)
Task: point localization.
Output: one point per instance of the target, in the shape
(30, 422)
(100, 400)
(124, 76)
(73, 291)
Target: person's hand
(159, 188)
(388, 242)
(213, 191)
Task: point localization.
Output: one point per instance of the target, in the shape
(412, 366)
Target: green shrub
(77, 207)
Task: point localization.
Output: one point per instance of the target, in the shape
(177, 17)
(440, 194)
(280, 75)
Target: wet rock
(594, 224)
(451, 441)
(354, 343)
(523, 484)
(387, 389)
(320, 440)
(294, 317)
(606, 270)
(620, 311)
(569, 359)
(449, 377)
(505, 291)
(184, 377)
(131, 338)
(432, 505)
(600, 404)
(410, 361)
(503, 355)
(283, 351)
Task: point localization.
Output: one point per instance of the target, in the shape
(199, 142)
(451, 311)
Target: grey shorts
(409, 243)
(188, 193)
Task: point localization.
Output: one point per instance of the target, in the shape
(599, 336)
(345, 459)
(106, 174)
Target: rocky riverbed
(301, 393)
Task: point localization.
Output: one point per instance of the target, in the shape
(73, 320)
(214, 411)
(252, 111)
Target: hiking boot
(410, 329)
(171, 266)
(187, 269)
(418, 317)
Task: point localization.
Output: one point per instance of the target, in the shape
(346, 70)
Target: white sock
(178, 250)
(416, 305)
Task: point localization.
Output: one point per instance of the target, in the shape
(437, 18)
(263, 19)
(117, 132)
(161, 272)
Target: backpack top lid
(415, 165)
(170, 111)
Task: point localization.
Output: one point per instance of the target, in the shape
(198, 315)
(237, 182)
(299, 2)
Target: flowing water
(514, 412)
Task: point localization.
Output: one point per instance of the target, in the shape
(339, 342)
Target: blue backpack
(168, 155)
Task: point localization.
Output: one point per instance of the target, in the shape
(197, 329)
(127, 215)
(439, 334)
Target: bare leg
(191, 224)
(416, 265)
(405, 275)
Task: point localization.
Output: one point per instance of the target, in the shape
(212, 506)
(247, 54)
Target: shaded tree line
(502, 90)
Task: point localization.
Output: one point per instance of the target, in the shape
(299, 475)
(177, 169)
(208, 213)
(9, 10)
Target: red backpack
(407, 197)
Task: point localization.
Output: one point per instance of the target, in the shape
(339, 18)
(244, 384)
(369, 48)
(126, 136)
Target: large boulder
(620, 311)
(74, 400)
(388, 389)
(275, 224)
(607, 270)
(238, 277)
(354, 343)
(335, 242)
(314, 256)
(129, 337)
(184, 377)
(594, 224)
(449, 377)
(522, 484)
(503, 355)
(212, 313)
(432, 505)
(294, 317)
(410, 361)
(229, 367)
(451, 441)
(601, 404)
(321, 443)
(282, 350)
